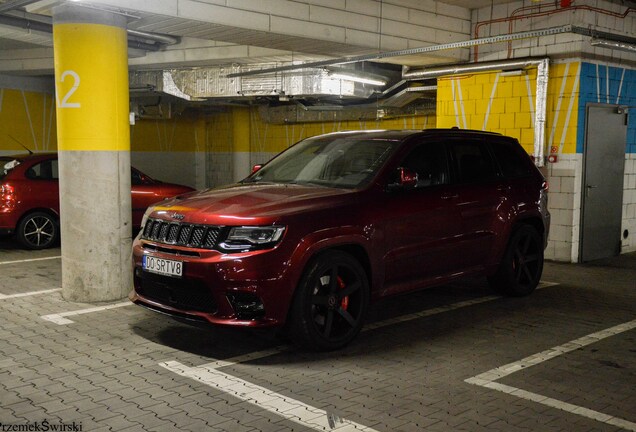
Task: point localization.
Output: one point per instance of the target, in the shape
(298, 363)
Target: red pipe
(540, 13)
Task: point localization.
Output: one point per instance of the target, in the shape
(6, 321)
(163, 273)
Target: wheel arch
(355, 249)
(358, 252)
(47, 210)
(532, 220)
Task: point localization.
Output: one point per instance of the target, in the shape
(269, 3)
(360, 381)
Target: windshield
(330, 161)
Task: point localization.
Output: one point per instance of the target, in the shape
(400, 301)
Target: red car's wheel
(38, 230)
(522, 264)
(330, 302)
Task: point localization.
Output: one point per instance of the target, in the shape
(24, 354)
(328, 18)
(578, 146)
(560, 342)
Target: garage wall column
(241, 143)
(91, 76)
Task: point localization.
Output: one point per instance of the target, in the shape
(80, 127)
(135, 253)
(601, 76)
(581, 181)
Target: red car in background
(30, 203)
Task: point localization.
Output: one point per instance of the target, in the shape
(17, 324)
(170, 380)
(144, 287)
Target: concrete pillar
(91, 77)
(241, 143)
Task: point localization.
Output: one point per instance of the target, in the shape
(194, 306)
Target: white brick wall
(628, 243)
(564, 203)
(556, 44)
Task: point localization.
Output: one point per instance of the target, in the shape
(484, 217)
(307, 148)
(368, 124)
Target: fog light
(246, 305)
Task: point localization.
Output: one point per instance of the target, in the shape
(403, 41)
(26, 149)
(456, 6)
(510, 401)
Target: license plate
(162, 266)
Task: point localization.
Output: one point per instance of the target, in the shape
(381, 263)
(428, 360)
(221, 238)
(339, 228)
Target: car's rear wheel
(330, 302)
(520, 269)
(38, 230)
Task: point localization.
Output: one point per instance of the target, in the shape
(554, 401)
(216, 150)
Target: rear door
(480, 195)
(43, 185)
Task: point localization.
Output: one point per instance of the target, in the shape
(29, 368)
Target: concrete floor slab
(407, 370)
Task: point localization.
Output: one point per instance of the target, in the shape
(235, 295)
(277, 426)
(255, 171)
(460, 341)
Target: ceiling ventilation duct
(207, 83)
(289, 114)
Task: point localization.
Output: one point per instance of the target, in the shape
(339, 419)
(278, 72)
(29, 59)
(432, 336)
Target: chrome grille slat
(174, 233)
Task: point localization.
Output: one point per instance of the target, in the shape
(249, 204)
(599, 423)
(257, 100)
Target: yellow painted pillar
(91, 77)
(241, 143)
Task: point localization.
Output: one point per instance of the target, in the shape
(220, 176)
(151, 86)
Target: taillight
(545, 186)
(7, 196)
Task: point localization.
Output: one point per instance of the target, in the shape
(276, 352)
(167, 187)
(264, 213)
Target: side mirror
(256, 168)
(407, 178)
(404, 179)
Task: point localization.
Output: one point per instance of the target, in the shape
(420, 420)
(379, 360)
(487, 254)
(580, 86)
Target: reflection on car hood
(243, 203)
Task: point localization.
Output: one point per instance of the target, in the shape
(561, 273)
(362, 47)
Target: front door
(423, 225)
(604, 167)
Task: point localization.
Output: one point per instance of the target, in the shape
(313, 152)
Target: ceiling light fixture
(622, 46)
(513, 72)
(356, 76)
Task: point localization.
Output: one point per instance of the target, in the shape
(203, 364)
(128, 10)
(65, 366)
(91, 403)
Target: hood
(259, 204)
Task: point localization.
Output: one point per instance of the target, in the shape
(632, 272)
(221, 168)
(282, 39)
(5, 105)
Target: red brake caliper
(344, 303)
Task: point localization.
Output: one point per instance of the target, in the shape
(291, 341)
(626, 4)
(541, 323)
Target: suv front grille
(180, 234)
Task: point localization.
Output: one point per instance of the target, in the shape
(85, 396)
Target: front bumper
(251, 289)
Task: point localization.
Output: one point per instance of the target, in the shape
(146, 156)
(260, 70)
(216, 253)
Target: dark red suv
(337, 220)
(30, 203)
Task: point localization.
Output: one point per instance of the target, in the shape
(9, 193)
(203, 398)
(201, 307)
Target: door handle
(588, 188)
(449, 196)
(504, 188)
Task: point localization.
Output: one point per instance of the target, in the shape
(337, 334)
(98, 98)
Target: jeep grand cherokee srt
(338, 220)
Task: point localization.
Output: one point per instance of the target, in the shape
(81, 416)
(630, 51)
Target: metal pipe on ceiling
(162, 39)
(45, 26)
(15, 4)
(26, 24)
(412, 51)
(503, 65)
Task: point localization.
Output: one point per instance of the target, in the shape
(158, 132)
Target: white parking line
(26, 294)
(61, 320)
(291, 409)
(372, 326)
(487, 379)
(284, 406)
(29, 260)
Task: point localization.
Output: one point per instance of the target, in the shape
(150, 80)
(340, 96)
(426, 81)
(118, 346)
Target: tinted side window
(511, 160)
(428, 160)
(472, 161)
(46, 170)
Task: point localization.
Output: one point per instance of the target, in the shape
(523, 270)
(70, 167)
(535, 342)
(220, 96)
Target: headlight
(252, 237)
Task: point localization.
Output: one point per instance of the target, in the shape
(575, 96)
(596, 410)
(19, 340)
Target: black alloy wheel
(330, 302)
(38, 230)
(522, 264)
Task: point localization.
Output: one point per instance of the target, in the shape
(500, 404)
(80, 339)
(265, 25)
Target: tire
(520, 269)
(330, 303)
(38, 230)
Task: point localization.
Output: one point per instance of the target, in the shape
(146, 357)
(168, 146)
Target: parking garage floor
(454, 358)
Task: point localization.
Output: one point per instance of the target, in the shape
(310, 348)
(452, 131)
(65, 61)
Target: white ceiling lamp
(622, 46)
(356, 76)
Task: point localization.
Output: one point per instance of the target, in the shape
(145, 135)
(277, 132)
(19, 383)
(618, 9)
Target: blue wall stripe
(594, 86)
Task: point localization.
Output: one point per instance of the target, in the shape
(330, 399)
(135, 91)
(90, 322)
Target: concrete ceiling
(203, 43)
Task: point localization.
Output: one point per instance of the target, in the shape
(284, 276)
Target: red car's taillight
(7, 197)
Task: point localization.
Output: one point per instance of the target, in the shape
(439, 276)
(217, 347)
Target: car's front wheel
(522, 264)
(330, 302)
(38, 230)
